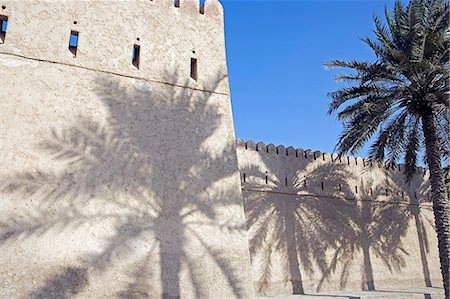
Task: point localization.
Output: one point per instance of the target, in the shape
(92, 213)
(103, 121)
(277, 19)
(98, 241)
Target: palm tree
(401, 100)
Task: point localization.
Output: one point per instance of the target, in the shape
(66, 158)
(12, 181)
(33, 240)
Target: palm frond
(409, 76)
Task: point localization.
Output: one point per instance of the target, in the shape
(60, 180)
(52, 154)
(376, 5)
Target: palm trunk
(441, 206)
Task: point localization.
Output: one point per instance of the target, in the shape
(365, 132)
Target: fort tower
(118, 169)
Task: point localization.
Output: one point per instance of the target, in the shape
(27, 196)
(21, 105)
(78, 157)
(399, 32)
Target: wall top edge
(292, 152)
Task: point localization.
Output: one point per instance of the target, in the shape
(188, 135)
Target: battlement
(293, 171)
(311, 155)
(142, 39)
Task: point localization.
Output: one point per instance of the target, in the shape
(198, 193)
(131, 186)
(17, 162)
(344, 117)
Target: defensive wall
(118, 169)
(119, 174)
(320, 222)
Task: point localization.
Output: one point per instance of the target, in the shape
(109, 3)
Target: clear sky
(276, 51)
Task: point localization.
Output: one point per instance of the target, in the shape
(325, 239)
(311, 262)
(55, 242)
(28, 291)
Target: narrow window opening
(73, 42)
(387, 192)
(403, 194)
(285, 182)
(3, 27)
(267, 178)
(304, 183)
(321, 185)
(323, 157)
(356, 189)
(136, 58)
(356, 161)
(243, 177)
(296, 154)
(364, 162)
(176, 3)
(194, 70)
(415, 195)
(371, 191)
(340, 187)
(306, 154)
(348, 160)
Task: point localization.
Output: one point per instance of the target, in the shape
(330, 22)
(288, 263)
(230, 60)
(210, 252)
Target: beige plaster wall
(168, 37)
(117, 182)
(320, 224)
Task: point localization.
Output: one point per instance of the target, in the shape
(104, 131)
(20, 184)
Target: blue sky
(276, 51)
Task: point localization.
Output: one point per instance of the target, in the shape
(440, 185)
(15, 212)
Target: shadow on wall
(147, 173)
(318, 233)
(65, 284)
(418, 196)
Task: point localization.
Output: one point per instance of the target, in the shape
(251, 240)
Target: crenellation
(334, 157)
(317, 155)
(290, 151)
(212, 8)
(327, 157)
(240, 143)
(308, 154)
(189, 6)
(250, 145)
(271, 149)
(260, 147)
(281, 150)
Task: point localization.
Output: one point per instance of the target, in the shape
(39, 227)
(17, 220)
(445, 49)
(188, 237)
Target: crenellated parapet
(318, 155)
(171, 37)
(296, 170)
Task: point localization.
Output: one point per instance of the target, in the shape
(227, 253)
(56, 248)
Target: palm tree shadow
(289, 219)
(65, 284)
(151, 172)
(316, 213)
(416, 193)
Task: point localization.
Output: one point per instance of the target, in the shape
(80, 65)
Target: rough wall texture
(319, 223)
(117, 181)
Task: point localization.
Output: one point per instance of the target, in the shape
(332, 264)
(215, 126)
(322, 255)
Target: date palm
(401, 100)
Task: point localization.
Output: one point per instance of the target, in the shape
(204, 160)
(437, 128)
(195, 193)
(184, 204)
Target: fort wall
(118, 181)
(318, 222)
(119, 175)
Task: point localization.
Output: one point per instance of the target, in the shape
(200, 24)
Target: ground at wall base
(416, 293)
